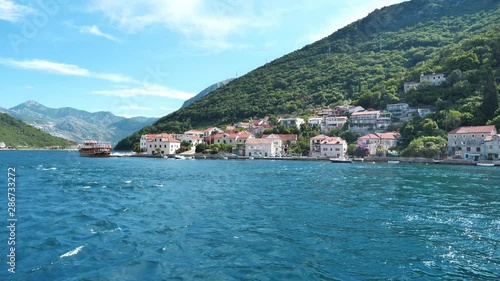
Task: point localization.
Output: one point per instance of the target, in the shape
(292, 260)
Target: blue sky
(144, 58)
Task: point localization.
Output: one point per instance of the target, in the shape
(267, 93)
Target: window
(468, 148)
(473, 136)
(463, 136)
(478, 149)
(482, 135)
(455, 136)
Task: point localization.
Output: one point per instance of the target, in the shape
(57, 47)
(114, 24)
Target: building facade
(163, 144)
(325, 146)
(470, 142)
(260, 147)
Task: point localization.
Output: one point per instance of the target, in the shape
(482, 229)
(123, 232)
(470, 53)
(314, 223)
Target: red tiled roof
(259, 141)
(320, 137)
(475, 130)
(333, 140)
(290, 137)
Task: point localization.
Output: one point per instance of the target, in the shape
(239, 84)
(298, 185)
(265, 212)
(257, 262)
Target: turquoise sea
(157, 219)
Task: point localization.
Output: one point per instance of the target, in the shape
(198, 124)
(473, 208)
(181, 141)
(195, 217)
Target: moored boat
(485, 164)
(393, 162)
(340, 160)
(92, 148)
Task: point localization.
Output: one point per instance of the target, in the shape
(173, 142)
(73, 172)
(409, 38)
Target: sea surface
(157, 219)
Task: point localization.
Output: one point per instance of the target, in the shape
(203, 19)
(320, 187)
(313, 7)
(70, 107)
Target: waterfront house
(260, 147)
(492, 147)
(282, 142)
(325, 146)
(159, 143)
(469, 142)
(379, 142)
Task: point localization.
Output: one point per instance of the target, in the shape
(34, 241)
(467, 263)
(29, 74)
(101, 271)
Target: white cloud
(148, 90)
(65, 69)
(210, 23)
(135, 107)
(10, 11)
(94, 30)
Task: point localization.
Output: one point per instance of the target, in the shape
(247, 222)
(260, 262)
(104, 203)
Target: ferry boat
(92, 148)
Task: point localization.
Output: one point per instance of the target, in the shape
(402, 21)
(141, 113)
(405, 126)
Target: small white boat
(179, 157)
(340, 160)
(485, 164)
(393, 162)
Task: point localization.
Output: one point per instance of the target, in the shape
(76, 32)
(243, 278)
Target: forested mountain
(367, 62)
(15, 133)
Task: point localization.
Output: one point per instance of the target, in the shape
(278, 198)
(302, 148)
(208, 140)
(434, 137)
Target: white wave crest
(72, 252)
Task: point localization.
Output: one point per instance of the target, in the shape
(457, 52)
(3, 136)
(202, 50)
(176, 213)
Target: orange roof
(475, 130)
(382, 136)
(259, 141)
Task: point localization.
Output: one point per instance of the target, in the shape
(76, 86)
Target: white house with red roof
(325, 146)
(162, 143)
(211, 131)
(232, 138)
(469, 142)
(282, 142)
(379, 141)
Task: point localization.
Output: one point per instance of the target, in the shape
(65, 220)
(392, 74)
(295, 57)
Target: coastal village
(251, 138)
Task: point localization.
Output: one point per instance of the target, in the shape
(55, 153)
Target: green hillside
(15, 133)
(367, 62)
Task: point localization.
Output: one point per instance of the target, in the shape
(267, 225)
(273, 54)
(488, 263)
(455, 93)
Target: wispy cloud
(136, 107)
(210, 23)
(12, 12)
(148, 90)
(94, 30)
(65, 69)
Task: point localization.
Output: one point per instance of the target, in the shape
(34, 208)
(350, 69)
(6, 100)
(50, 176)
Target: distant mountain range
(77, 125)
(205, 92)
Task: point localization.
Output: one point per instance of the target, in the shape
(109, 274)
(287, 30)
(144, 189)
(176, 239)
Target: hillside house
(469, 142)
(332, 122)
(232, 138)
(370, 120)
(292, 122)
(315, 121)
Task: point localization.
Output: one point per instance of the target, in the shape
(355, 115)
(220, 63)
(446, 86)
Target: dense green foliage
(15, 133)
(367, 62)
(427, 147)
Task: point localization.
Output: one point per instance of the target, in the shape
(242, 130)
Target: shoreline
(372, 159)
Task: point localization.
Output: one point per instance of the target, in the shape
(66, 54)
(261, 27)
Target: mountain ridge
(75, 124)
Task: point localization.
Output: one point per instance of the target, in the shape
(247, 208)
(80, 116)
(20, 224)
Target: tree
(428, 147)
(201, 148)
(490, 96)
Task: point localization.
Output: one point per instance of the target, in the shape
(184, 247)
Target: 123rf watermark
(11, 219)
